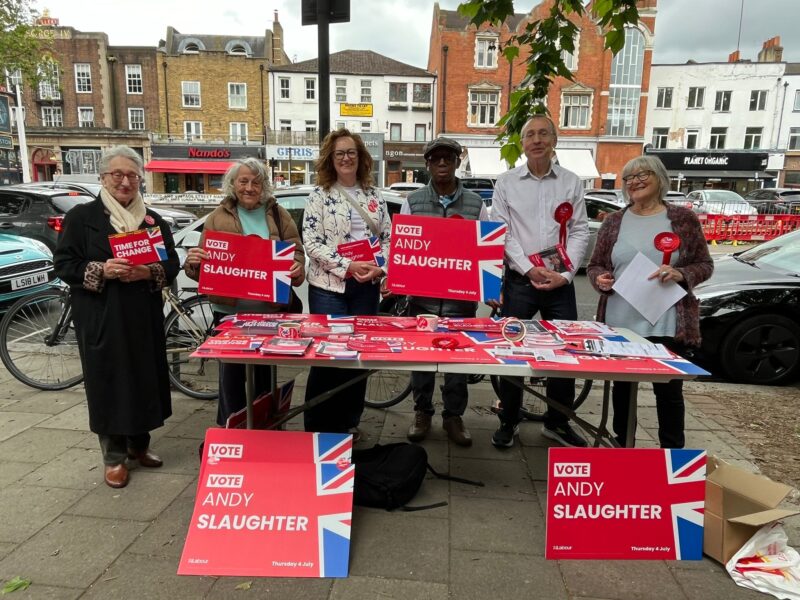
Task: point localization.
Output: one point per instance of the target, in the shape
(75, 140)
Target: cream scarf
(123, 218)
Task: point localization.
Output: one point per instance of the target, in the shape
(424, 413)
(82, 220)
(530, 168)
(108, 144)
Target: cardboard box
(738, 503)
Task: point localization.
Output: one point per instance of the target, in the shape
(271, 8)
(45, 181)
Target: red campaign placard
(271, 504)
(140, 247)
(637, 503)
(246, 266)
(367, 250)
(446, 258)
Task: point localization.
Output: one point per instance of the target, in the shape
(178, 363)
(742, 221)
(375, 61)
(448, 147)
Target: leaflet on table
(549, 355)
(582, 328)
(485, 324)
(293, 347)
(313, 329)
(554, 258)
(140, 247)
(367, 250)
(233, 343)
(446, 258)
(384, 323)
(246, 266)
(644, 349)
(335, 350)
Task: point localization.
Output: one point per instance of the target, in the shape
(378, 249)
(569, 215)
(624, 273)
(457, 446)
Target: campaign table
(466, 346)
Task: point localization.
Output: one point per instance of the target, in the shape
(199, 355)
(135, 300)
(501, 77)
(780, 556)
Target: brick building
(213, 103)
(600, 115)
(82, 105)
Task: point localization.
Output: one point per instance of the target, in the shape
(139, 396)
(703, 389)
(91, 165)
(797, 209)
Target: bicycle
(38, 345)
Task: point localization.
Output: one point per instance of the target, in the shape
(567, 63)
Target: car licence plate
(21, 283)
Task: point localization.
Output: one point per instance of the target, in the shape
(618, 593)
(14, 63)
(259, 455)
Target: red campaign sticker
(667, 242)
(373, 205)
(149, 220)
(562, 215)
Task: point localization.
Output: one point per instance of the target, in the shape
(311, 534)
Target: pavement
(74, 537)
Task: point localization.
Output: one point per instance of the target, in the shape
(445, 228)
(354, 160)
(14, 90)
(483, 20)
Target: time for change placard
(626, 503)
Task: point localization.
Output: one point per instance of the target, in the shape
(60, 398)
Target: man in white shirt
(532, 200)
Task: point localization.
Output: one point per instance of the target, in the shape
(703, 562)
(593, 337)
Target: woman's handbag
(295, 303)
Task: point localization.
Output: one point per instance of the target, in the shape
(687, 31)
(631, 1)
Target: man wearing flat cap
(444, 196)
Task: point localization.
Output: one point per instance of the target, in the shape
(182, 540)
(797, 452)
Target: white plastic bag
(767, 564)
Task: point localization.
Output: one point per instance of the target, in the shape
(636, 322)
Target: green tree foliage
(544, 39)
(22, 45)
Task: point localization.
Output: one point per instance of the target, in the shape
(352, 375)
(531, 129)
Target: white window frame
(88, 110)
(417, 128)
(366, 126)
(341, 125)
(722, 101)
(310, 87)
(689, 132)
(491, 113)
(398, 127)
(366, 91)
(486, 51)
(696, 98)
(13, 79)
(135, 121)
(571, 58)
(664, 97)
(83, 78)
(192, 130)
(583, 109)
(796, 101)
(759, 98)
(285, 125)
(418, 87)
(237, 98)
(717, 138)
(753, 137)
(134, 84)
(794, 138)
(237, 131)
(660, 137)
(341, 90)
(187, 93)
(396, 85)
(284, 89)
(50, 82)
(311, 125)
(49, 114)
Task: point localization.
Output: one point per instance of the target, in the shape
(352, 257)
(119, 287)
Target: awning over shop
(485, 162)
(188, 166)
(579, 161)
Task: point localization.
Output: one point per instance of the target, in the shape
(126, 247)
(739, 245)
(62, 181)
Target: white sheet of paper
(651, 298)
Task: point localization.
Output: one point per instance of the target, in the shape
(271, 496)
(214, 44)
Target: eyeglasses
(350, 153)
(118, 176)
(640, 176)
(448, 157)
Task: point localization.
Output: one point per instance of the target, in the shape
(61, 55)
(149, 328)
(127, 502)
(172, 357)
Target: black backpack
(389, 476)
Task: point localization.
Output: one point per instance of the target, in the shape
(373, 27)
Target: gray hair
(257, 167)
(121, 152)
(647, 162)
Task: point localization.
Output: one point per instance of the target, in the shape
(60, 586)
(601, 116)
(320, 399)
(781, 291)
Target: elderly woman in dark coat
(117, 310)
(622, 236)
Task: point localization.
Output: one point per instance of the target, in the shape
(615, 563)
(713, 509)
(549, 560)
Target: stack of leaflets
(542, 340)
(362, 344)
(287, 346)
(582, 328)
(641, 350)
(233, 343)
(336, 350)
(312, 329)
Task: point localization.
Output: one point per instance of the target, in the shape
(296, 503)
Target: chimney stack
(733, 57)
(771, 51)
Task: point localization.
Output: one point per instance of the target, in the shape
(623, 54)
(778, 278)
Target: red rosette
(666, 242)
(562, 215)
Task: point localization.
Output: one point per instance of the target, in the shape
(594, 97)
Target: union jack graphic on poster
(157, 242)
(366, 250)
(273, 504)
(140, 247)
(246, 266)
(627, 503)
(446, 258)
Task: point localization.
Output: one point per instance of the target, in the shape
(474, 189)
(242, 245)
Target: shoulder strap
(373, 227)
(276, 216)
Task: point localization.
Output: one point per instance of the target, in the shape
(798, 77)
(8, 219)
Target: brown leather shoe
(116, 476)
(420, 427)
(456, 431)
(146, 458)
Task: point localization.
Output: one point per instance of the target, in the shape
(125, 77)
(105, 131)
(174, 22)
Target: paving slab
(76, 468)
(12, 423)
(387, 589)
(502, 479)
(271, 587)
(72, 549)
(45, 403)
(12, 471)
(712, 585)
(165, 536)
(490, 525)
(47, 592)
(75, 418)
(27, 509)
(622, 580)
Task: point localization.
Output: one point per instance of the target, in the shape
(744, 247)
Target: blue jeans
(522, 300)
(343, 410)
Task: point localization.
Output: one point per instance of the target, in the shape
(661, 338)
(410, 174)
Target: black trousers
(522, 300)
(670, 407)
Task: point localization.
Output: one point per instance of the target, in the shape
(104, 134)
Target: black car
(772, 201)
(483, 186)
(37, 213)
(750, 313)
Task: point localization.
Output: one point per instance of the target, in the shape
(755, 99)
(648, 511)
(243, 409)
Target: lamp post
(23, 141)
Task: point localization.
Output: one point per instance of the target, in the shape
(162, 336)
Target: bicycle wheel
(533, 408)
(185, 330)
(386, 388)
(37, 341)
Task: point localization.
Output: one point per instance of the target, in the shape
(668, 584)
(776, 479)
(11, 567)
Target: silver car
(720, 202)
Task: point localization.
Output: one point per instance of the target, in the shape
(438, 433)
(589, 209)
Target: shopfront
(405, 162)
(179, 168)
(791, 170)
(294, 164)
(740, 171)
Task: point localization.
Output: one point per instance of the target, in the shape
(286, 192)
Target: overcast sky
(702, 30)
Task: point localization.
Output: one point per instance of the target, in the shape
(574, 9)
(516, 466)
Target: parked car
(614, 196)
(405, 186)
(26, 266)
(720, 202)
(483, 186)
(597, 207)
(771, 201)
(750, 313)
(678, 198)
(177, 219)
